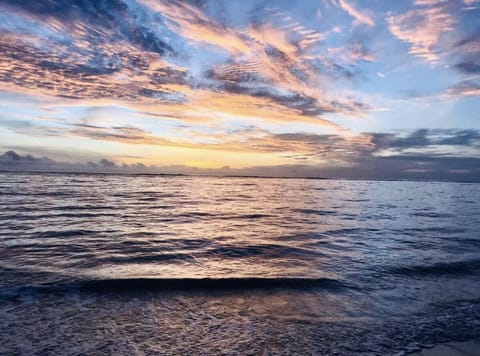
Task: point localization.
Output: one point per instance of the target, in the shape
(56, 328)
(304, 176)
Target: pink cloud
(363, 17)
(423, 28)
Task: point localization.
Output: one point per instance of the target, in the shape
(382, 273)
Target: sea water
(125, 264)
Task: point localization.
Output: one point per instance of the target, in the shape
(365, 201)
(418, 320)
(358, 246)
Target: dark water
(104, 264)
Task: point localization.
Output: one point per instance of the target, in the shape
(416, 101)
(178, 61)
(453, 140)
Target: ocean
(177, 265)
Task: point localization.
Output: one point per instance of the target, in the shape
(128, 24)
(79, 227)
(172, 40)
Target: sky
(333, 88)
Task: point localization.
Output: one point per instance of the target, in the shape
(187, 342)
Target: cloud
(424, 138)
(194, 25)
(468, 49)
(106, 163)
(361, 16)
(461, 138)
(93, 50)
(12, 156)
(468, 67)
(192, 76)
(392, 167)
(423, 28)
(468, 88)
(369, 155)
(350, 54)
(89, 18)
(14, 124)
(387, 140)
(141, 55)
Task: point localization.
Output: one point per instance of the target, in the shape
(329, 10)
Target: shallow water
(158, 264)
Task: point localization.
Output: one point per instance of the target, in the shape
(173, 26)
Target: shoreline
(452, 348)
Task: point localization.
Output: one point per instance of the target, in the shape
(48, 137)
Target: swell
(315, 212)
(265, 250)
(427, 214)
(135, 285)
(467, 267)
(56, 216)
(185, 284)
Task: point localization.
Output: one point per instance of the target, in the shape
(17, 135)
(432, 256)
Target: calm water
(104, 264)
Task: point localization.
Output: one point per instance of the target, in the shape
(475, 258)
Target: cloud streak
(360, 155)
(361, 16)
(322, 153)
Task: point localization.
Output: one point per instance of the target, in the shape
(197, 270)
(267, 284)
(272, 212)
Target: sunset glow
(322, 88)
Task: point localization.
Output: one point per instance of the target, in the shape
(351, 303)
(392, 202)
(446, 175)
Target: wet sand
(468, 348)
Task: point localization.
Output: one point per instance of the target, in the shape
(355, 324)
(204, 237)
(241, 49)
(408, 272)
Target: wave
(145, 259)
(194, 214)
(350, 231)
(32, 217)
(250, 216)
(203, 214)
(65, 233)
(442, 268)
(141, 285)
(266, 250)
(46, 193)
(315, 212)
(426, 214)
(186, 284)
(190, 250)
(430, 229)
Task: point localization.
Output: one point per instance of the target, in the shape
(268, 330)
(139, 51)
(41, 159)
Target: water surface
(157, 264)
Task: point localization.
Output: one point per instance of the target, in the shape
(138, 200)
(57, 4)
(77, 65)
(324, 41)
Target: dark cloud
(107, 163)
(13, 158)
(13, 161)
(10, 156)
(251, 84)
(307, 105)
(427, 138)
(387, 140)
(338, 70)
(370, 153)
(468, 49)
(465, 88)
(469, 67)
(102, 16)
(461, 138)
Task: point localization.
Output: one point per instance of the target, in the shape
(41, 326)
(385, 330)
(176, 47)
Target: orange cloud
(250, 140)
(193, 24)
(251, 48)
(123, 73)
